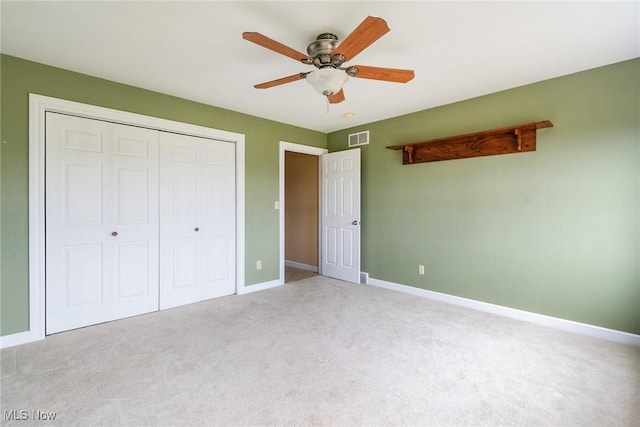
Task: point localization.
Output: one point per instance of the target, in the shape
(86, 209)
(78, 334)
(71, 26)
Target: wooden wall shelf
(512, 139)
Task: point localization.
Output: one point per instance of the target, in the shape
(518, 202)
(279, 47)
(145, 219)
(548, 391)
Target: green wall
(20, 77)
(555, 231)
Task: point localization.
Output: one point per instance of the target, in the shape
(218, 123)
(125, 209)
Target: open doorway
(300, 216)
(299, 211)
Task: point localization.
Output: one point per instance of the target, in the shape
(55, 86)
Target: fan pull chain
(328, 105)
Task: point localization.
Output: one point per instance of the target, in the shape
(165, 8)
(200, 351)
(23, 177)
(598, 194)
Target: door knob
(354, 223)
(196, 229)
(114, 234)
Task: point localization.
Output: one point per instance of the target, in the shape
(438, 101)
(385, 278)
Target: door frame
(38, 106)
(304, 149)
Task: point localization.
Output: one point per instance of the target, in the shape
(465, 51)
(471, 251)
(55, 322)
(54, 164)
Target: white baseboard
(15, 339)
(259, 287)
(301, 266)
(540, 319)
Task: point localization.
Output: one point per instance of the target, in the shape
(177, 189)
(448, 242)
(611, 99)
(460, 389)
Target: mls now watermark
(24, 415)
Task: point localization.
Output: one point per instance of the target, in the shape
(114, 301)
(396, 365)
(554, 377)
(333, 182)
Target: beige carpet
(322, 352)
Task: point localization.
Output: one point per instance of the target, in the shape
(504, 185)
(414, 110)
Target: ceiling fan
(328, 56)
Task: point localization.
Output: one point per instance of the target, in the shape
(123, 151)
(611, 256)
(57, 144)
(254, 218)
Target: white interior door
(197, 219)
(101, 221)
(340, 222)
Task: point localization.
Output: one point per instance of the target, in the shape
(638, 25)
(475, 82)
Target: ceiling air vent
(360, 138)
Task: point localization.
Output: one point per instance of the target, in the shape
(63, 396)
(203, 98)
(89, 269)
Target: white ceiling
(195, 50)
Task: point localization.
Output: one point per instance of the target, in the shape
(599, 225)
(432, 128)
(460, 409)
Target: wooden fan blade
(275, 46)
(378, 73)
(337, 97)
(369, 30)
(281, 81)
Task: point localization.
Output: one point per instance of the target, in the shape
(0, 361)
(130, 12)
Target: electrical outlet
(258, 265)
(276, 205)
(421, 269)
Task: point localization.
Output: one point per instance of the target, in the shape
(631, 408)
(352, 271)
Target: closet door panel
(184, 254)
(133, 265)
(82, 191)
(133, 203)
(197, 219)
(83, 276)
(101, 222)
(217, 210)
(178, 220)
(76, 222)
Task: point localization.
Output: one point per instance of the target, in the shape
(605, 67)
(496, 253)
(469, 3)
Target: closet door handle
(196, 229)
(114, 233)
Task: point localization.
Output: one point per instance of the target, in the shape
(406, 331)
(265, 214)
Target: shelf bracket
(408, 150)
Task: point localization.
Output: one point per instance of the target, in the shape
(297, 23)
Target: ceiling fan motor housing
(321, 49)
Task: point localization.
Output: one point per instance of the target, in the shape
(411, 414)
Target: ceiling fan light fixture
(327, 81)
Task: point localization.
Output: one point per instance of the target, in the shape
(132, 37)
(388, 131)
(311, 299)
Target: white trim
(527, 316)
(301, 266)
(12, 340)
(260, 287)
(304, 149)
(38, 106)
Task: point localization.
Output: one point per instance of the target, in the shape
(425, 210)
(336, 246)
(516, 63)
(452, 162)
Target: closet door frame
(38, 106)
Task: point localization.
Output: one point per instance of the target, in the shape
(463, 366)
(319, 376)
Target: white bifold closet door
(197, 219)
(101, 221)
(137, 220)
